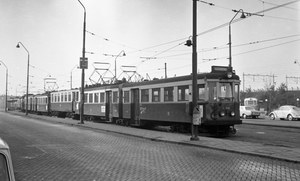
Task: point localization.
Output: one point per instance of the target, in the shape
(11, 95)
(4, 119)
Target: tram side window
(77, 96)
(183, 93)
(156, 95)
(102, 97)
(58, 97)
(126, 96)
(85, 97)
(145, 95)
(169, 94)
(90, 98)
(96, 97)
(201, 91)
(115, 96)
(66, 97)
(69, 96)
(3, 168)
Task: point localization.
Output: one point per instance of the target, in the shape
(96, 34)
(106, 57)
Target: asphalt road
(47, 151)
(268, 135)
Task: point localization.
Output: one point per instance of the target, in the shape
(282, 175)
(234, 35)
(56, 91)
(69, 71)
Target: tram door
(135, 106)
(108, 106)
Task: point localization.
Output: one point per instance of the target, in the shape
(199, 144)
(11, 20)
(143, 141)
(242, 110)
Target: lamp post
(230, 57)
(83, 65)
(124, 54)
(165, 70)
(18, 46)
(76, 66)
(6, 85)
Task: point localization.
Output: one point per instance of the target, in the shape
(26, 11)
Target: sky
(152, 33)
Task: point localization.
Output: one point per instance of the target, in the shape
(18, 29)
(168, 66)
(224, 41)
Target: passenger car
(6, 168)
(286, 112)
(248, 111)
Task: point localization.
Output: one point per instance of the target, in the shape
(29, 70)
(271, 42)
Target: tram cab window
(236, 92)
(212, 91)
(225, 91)
(3, 168)
(201, 92)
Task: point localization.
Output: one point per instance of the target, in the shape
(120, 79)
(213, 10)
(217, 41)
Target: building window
(183, 93)
(156, 95)
(102, 97)
(126, 96)
(115, 96)
(145, 95)
(169, 94)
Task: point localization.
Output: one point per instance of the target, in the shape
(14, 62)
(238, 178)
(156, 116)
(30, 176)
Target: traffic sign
(83, 63)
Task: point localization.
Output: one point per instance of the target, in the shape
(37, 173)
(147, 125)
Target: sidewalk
(277, 152)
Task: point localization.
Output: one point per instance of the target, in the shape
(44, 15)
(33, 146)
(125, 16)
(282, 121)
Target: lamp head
(124, 54)
(243, 15)
(18, 46)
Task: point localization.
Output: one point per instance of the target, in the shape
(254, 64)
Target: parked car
(248, 112)
(286, 112)
(6, 167)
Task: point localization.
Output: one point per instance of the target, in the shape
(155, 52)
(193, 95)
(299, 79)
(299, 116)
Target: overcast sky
(52, 32)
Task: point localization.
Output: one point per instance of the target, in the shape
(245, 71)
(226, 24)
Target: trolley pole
(194, 124)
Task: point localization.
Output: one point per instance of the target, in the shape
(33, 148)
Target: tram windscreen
(225, 91)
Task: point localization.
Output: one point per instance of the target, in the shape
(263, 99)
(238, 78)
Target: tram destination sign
(219, 69)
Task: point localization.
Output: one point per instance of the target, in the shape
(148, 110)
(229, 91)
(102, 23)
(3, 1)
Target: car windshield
(249, 108)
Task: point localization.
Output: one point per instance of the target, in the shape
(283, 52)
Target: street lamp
(76, 66)
(18, 46)
(6, 85)
(83, 65)
(124, 54)
(230, 57)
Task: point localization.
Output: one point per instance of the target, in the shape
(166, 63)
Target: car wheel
(244, 116)
(290, 117)
(272, 116)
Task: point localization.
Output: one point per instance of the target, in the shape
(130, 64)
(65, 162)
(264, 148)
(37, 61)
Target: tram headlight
(232, 114)
(229, 75)
(222, 113)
